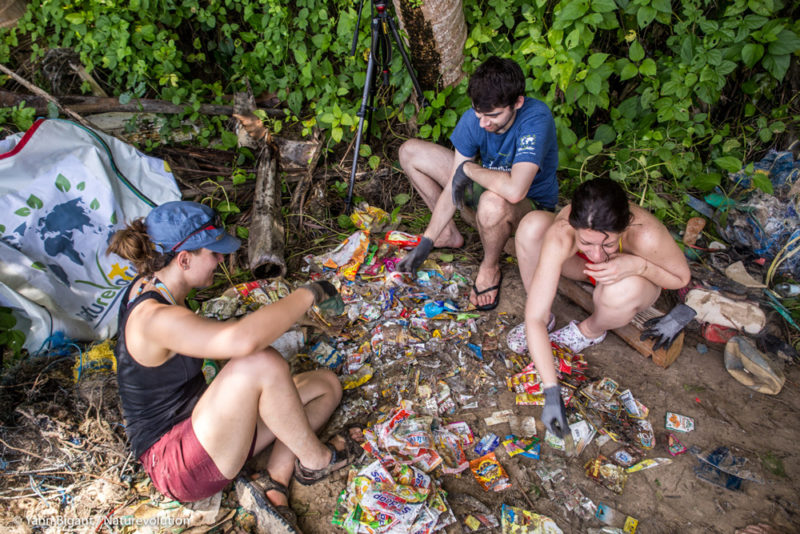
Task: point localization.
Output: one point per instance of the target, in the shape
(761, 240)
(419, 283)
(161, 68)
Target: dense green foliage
(663, 95)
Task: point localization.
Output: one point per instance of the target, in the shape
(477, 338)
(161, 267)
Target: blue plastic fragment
(700, 206)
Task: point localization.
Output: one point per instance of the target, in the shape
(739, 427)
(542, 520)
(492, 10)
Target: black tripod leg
(423, 102)
(366, 97)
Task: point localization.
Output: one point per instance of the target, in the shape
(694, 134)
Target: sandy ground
(666, 498)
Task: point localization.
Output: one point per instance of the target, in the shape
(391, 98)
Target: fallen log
(266, 242)
(85, 104)
(630, 333)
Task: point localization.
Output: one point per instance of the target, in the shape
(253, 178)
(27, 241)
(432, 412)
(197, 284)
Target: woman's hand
(619, 267)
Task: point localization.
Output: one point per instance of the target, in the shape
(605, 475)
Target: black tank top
(154, 399)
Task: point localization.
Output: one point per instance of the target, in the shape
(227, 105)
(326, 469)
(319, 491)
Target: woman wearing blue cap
(192, 438)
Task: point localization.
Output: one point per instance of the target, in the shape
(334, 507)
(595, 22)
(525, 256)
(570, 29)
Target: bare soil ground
(64, 455)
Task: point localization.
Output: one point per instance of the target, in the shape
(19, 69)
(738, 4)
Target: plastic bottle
(786, 290)
(210, 370)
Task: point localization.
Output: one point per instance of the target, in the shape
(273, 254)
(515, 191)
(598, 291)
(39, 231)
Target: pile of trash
(412, 353)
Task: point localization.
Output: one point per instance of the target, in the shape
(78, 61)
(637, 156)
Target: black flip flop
(492, 305)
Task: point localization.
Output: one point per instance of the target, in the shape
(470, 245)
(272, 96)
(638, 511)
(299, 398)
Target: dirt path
(666, 498)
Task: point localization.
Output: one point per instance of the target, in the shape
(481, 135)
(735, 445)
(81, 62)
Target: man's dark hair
(601, 205)
(496, 83)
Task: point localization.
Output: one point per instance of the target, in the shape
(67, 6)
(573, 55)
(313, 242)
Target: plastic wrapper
(463, 431)
(527, 448)
(448, 445)
(326, 355)
(489, 473)
(524, 382)
(674, 446)
(369, 218)
(515, 520)
(402, 239)
(488, 443)
(358, 378)
(608, 475)
(679, 423)
(647, 464)
(348, 256)
(529, 399)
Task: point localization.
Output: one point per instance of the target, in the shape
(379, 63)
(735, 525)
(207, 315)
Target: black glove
(413, 260)
(554, 416)
(460, 183)
(322, 290)
(666, 328)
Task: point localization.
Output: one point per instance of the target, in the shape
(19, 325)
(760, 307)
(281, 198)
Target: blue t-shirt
(532, 138)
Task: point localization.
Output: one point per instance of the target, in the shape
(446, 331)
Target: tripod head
(379, 6)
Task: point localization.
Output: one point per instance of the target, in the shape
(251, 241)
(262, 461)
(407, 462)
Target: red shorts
(180, 467)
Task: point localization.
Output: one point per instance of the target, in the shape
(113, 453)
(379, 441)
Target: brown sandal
(269, 517)
(339, 459)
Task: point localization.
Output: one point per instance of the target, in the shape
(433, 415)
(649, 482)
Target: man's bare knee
(493, 210)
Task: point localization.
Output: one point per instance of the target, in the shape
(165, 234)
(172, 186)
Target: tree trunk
(436, 33)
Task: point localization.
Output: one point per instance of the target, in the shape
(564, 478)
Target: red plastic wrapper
(402, 239)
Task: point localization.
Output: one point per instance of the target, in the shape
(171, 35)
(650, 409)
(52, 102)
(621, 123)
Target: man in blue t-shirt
(515, 139)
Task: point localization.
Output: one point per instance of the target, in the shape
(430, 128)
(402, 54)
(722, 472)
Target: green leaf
(114, 217)
(62, 183)
(645, 16)
(34, 202)
(23, 212)
(636, 52)
(573, 10)
(628, 71)
(604, 6)
(39, 266)
(94, 204)
(446, 257)
(365, 151)
(776, 65)
(242, 232)
(373, 162)
(597, 59)
(125, 98)
(787, 43)
(663, 6)
(75, 18)
(401, 199)
(729, 163)
(52, 110)
(336, 134)
(593, 83)
(81, 186)
(595, 148)
(761, 181)
(751, 53)
(344, 222)
(605, 134)
(226, 206)
(705, 182)
(648, 67)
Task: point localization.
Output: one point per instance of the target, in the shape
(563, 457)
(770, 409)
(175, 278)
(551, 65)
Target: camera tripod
(380, 51)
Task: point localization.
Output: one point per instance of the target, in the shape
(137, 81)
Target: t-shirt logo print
(527, 143)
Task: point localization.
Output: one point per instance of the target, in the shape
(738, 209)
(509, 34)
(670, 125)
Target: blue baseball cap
(183, 225)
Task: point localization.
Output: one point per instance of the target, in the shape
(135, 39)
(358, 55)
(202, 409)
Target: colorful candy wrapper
(463, 431)
(528, 448)
(487, 443)
(402, 239)
(358, 378)
(489, 473)
(626, 456)
(326, 355)
(530, 399)
(674, 445)
(369, 218)
(646, 436)
(448, 445)
(606, 474)
(680, 423)
(554, 441)
(647, 464)
(525, 382)
(518, 521)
